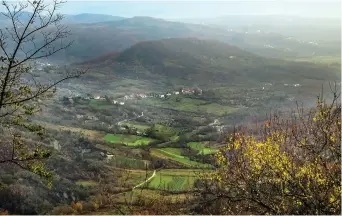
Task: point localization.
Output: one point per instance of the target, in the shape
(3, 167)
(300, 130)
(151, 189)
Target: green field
(177, 180)
(132, 177)
(166, 131)
(127, 162)
(86, 183)
(160, 130)
(172, 182)
(201, 148)
(175, 155)
(130, 140)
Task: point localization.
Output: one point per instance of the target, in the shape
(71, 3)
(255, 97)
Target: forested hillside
(206, 63)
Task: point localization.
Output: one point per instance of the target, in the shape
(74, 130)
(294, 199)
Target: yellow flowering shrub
(77, 206)
(289, 168)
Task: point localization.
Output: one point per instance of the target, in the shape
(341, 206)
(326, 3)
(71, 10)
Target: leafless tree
(33, 32)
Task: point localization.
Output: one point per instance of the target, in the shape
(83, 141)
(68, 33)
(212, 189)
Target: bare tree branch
(22, 41)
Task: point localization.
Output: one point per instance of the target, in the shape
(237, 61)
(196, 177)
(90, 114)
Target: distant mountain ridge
(91, 18)
(109, 36)
(73, 18)
(94, 35)
(92, 40)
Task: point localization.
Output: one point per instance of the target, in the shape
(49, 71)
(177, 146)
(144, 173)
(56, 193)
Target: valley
(149, 115)
(159, 137)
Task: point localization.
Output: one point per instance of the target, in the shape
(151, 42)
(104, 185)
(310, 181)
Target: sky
(207, 9)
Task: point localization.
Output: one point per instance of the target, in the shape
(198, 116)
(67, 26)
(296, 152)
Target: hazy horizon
(205, 9)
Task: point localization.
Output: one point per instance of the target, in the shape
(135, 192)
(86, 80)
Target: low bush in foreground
(292, 167)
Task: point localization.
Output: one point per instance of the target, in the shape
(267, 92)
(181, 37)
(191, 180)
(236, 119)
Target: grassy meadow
(174, 154)
(201, 148)
(129, 140)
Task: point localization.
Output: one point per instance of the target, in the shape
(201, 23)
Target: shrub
(292, 167)
(77, 206)
(63, 210)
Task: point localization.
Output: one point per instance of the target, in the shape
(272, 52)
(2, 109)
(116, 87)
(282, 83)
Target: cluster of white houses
(183, 91)
(294, 85)
(103, 98)
(285, 84)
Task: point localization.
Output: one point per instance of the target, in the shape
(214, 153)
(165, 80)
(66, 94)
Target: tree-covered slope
(206, 62)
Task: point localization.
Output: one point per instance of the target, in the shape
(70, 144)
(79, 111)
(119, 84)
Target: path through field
(147, 180)
(138, 116)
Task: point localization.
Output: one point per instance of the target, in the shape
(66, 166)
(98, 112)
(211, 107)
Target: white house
(296, 85)
(79, 116)
(187, 91)
(176, 92)
(141, 95)
(97, 97)
(109, 156)
(162, 96)
(122, 103)
(115, 102)
(168, 94)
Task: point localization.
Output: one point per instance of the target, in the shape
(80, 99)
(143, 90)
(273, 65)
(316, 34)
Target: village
(134, 96)
(122, 100)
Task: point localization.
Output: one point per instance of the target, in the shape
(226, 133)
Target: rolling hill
(92, 40)
(104, 37)
(205, 63)
(94, 35)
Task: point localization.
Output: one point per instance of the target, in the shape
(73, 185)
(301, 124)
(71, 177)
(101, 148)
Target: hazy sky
(196, 9)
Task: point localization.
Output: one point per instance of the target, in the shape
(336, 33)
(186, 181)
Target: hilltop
(204, 62)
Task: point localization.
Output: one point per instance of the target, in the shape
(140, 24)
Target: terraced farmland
(127, 162)
(201, 148)
(129, 140)
(175, 155)
(172, 182)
